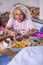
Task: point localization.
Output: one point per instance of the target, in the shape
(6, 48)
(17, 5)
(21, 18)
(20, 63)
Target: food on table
(20, 44)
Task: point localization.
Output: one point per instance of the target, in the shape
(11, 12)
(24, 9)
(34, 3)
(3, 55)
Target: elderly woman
(4, 33)
(8, 35)
(20, 21)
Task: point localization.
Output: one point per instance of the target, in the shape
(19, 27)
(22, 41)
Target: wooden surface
(6, 51)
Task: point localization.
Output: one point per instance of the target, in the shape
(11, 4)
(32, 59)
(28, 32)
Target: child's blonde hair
(23, 8)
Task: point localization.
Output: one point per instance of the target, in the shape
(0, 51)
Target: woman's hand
(11, 34)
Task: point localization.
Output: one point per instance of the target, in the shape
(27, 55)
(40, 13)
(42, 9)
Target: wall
(41, 9)
(6, 5)
(37, 25)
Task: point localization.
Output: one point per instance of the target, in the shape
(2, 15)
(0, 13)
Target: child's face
(19, 15)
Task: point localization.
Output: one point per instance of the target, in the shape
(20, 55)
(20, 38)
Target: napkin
(4, 59)
(29, 56)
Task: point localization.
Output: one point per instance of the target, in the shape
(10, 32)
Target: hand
(11, 34)
(19, 38)
(14, 38)
(25, 36)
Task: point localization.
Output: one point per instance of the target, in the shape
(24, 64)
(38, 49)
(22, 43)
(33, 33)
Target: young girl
(20, 21)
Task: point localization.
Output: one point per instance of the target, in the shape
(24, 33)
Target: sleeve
(30, 24)
(10, 23)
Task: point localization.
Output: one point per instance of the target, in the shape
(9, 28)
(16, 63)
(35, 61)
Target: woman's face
(19, 15)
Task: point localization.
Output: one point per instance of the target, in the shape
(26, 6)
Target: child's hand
(25, 36)
(19, 38)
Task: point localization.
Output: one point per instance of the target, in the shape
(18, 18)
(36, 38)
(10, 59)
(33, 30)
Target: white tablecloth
(29, 56)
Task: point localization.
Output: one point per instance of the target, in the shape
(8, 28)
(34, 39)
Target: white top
(17, 26)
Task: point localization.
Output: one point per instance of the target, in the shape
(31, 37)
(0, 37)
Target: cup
(23, 31)
(7, 43)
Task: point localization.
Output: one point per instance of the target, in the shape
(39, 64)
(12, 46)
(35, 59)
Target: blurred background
(35, 7)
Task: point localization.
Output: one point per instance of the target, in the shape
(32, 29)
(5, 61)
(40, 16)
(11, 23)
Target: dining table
(12, 54)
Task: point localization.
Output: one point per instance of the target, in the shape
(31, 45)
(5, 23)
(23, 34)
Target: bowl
(17, 46)
(14, 50)
(41, 40)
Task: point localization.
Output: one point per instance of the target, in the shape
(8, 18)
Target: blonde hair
(23, 8)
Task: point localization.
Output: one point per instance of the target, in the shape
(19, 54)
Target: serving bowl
(17, 46)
